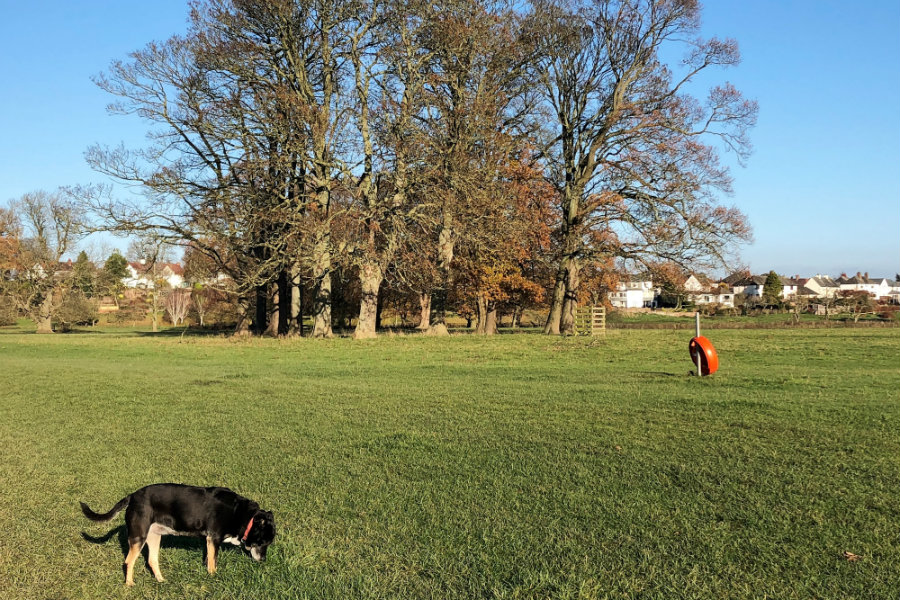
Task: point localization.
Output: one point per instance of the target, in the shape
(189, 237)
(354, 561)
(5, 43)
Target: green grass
(519, 466)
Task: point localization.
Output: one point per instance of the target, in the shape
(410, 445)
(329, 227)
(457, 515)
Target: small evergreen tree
(772, 288)
(115, 269)
(83, 275)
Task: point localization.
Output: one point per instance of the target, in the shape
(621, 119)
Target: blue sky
(822, 189)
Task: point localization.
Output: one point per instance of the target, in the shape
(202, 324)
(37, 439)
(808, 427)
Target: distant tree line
(472, 155)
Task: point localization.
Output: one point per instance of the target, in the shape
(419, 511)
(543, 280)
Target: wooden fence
(590, 320)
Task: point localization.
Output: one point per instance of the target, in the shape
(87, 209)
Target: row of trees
(37, 230)
(471, 151)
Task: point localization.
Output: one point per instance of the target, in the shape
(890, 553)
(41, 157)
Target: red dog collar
(247, 532)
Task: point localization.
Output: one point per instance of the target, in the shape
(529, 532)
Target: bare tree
(49, 226)
(632, 151)
(200, 300)
(177, 302)
(476, 116)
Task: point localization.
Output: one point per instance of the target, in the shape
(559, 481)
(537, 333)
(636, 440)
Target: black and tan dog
(216, 513)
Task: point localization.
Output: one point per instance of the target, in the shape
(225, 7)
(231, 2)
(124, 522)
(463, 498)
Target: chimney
(866, 276)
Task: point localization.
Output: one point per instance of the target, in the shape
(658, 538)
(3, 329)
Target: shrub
(222, 312)
(8, 312)
(76, 309)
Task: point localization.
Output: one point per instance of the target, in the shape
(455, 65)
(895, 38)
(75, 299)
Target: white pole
(697, 333)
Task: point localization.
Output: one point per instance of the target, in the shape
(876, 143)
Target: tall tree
(632, 149)
(84, 275)
(50, 226)
(476, 116)
(110, 278)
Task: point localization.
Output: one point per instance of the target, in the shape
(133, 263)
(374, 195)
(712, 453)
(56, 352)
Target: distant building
(140, 275)
(753, 286)
(626, 298)
(635, 293)
(820, 286)
(877, 286)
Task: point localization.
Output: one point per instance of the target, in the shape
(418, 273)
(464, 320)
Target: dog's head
(261, 535)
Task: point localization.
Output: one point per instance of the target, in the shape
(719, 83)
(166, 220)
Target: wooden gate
(590, 320)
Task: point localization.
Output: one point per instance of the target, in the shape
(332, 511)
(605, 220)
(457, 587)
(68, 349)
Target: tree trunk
(285, 302)
(481, 311)
(154, 311)
(322, 290)
(379, 308)
(562, 318)
(262, 313)
(370, 277)
(551, 327)
(438, 324)
(273, 317)
(567, 324)
(486, 316)
(424, 310)
(242, 327)
(295, 326)
(490, 326)
(44, 319)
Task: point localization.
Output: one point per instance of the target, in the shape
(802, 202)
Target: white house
(752, 287)
(820, 286)
(721, 295)
(139, 275)
(627, 298)
(692, 284)
(644, 286)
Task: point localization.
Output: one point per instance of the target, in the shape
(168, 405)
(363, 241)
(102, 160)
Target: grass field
(519, 466)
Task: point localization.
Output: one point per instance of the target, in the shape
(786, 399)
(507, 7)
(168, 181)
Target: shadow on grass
(189, 332)
(655, 374)
(168, 541)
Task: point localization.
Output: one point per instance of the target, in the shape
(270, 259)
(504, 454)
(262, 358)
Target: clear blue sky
(822, 189)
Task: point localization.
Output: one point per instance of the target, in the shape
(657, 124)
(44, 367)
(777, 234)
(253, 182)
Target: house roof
(862, 279)
(175, 268)
(735, 277)
(823, 281)
(752, 280)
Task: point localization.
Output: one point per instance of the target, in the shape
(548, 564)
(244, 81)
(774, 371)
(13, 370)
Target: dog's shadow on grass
(168, 541)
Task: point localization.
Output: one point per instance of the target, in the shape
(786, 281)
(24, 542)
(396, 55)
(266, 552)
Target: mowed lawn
(519, 466)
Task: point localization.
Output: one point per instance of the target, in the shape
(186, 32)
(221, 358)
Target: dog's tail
(121, 504)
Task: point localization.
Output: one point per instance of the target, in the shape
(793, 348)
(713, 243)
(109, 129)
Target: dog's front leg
(212, 553)
(153, 540)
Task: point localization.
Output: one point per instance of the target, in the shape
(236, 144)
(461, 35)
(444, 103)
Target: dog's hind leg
(153, 540)
(135, 545)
